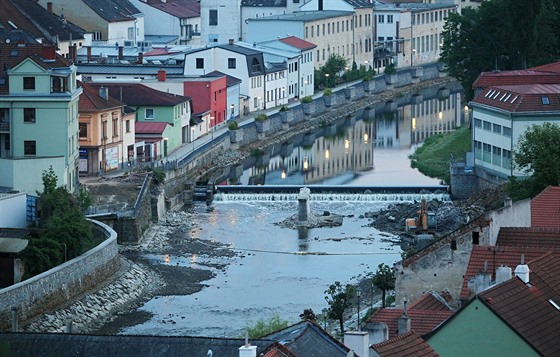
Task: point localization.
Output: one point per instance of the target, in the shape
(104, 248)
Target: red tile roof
(408, 345)
(551, 67)
(90, 101)
(524, 308)
(545, 208)
(142, 127)
(544, 274)
(178, 8)
(298, 43)
(529, 237)
(518, 77)
(431, 301)
(521, 98)
(421, 321)
(504, 256)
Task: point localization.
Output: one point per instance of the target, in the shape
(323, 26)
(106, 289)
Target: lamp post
(371, 301)
(212, 127)
(359, 293)
(367, 67)
(325, 311)
(327, 79)
(304, 88)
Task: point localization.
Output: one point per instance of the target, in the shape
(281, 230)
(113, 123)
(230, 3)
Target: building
(113, 22)
(38, 117)
(345, 33)
(42, 24)
(103, 144)
(180, 18)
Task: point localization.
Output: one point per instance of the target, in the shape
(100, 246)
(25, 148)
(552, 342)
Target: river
(285, 271)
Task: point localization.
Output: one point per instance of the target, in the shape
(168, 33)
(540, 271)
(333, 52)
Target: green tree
(339, 298)
(538, 154)
(384, 280)
(499, 35)
(265, 327)
(308, 314)
(328, 73)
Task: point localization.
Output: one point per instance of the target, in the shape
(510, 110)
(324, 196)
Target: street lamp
(325, 311)
(212, 127)
(327, 80)
(359, 293)
(304, 88)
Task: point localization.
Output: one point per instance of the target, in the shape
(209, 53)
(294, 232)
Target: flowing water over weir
(331, 193)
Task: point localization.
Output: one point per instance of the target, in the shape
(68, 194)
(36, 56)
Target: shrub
(390, 69)
(284, 108)
(158, 175)
(307, 99)
(233, 125)
(327, 92)
(367, 77)
(261, 117)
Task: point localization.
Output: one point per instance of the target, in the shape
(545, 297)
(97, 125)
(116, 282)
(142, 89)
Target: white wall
(229, 23)
(118, 31)
(13, 210)
(26, 174)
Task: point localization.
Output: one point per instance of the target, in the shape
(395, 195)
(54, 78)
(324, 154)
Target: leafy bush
(233, 125)
(390, 69)
(158, 175)
(261, 117)
(327, 92)
(284, 108)
(307, 99)
(262, 328)
(367, 77)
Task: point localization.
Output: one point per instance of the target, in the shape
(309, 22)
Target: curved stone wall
(59, 285)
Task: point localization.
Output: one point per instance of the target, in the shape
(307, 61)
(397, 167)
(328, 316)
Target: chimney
(74, 53)
(161, 75)
(357, 341)
(48, 53)
(104, 92)
(507, 202)
(247, 350)
(89, 53)
(49, 7)
(121, 53)
(404, 322)
(320, 8)
(503, 274)
(522, 270)
(141, 58)
(379, 332)
(231, 41)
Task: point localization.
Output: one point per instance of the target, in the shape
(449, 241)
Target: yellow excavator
(425, 222)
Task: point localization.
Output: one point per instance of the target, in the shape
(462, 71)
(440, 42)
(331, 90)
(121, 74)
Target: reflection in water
(338, 154)
(303, 235)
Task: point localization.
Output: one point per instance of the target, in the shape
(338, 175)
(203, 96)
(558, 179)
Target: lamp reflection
(283, 174)
(305, 164)
(327, 153)
(413, 123)
(366, 137)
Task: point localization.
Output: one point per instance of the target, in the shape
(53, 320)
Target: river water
(285, 271)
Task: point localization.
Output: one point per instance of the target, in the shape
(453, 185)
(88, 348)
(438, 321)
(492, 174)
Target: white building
(180, 18)
(501, 114)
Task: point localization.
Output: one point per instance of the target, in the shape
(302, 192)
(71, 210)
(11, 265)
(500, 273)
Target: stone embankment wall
(57, 286)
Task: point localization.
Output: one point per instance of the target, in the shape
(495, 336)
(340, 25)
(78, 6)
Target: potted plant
(328, 97)
(391, 74)
(262, 122)
(235, 135)
(308, 105)
(369, 83)
(286, 114)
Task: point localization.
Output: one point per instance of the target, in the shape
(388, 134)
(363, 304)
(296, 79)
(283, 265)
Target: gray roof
(113, 10)
(12, 245)
(420, 7)
(127, 69)
(230, 80)
(67, 345)
(264, 3)
(304, 16)
(239, 49)
(359, 3)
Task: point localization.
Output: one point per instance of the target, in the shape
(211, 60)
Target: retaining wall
(56, 287)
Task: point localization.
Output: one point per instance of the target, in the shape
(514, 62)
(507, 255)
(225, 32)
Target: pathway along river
(283, 271)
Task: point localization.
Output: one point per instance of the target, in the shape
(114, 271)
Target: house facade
(38, 117)
(109, 21)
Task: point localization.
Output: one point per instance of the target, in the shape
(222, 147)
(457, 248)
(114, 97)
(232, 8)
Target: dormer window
(28, 82)
(545, 100)
(58, 84)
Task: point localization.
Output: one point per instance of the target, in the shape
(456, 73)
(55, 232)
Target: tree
(262, 328)
(339, 298)
(384, 280)
(538, 153)
(327, 74)
(499, 35)
(308, 314)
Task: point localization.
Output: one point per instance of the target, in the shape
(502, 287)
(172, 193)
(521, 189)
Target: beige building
(345, 33)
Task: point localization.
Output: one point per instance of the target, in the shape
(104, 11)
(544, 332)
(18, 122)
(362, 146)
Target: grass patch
(433, 157)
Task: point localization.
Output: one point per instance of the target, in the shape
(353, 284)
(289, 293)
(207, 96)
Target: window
(497, 129)
(496, 156)
(487, 125)
(58, 84)
(545, 100)
(380, 19)
(213, 18)
(389, 19)
(506, 132)
(199, 63)
(115, 128)
(83, 128)
(29, 115)
(29, 147)
(28, 82)
(231, 63)
(149, 113)
(127, 124)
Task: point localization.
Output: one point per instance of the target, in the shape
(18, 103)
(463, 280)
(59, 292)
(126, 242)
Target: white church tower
(220, 21)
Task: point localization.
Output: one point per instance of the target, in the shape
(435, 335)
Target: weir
(331, 193)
